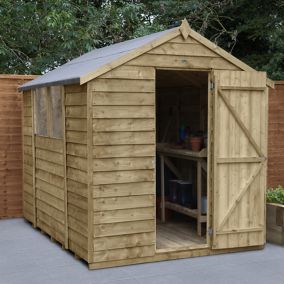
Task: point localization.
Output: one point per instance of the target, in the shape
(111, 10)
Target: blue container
(173, 190)
(204, 204)
(185, 196)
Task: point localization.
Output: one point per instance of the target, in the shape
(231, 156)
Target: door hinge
(210, 232)
(212, 86)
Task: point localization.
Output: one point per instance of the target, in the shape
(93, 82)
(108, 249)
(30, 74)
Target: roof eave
(49, 84)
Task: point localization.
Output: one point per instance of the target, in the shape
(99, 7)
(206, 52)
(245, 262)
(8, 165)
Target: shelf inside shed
(184, 210)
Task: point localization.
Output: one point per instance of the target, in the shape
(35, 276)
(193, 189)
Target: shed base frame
(161, 255)
(170, 255)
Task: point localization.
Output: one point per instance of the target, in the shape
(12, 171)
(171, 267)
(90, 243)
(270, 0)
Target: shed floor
(27, 256)
(177, 234)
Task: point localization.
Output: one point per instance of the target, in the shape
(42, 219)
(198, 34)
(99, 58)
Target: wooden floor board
(177, 234)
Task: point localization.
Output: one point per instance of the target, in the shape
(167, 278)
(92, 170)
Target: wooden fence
(11, 145)
(276, 136)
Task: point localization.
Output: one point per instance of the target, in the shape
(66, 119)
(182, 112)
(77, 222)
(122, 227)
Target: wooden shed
(11, 144)
(110, 169)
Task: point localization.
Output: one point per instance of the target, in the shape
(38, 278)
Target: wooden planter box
(275, 223)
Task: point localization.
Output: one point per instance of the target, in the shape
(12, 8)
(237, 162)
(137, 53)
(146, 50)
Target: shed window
(56, 112)
(41, 104)
(48, 112)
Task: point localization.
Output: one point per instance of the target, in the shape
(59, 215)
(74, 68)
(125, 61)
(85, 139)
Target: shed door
(239, 163)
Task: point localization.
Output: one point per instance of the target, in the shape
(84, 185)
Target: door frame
(210, 159)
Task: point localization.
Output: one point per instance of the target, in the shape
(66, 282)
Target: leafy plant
(275, 195)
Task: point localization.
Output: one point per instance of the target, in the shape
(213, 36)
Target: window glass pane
(41, 111)
(56, 112)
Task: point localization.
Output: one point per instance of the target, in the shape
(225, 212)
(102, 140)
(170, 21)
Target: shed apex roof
(73, 71)
(98, 61)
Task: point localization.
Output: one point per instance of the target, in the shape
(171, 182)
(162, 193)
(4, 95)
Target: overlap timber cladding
(123, 164)
(49, 186)
(275, 173)
(76, 163)
(11, 154)
(124, 148)
(57, 203)
(28, 163)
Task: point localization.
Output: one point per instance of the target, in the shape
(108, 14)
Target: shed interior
(181, 169)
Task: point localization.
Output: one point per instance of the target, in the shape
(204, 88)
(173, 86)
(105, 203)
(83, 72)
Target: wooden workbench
(165, 151)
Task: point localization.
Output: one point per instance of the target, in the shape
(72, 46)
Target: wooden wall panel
(49, 186)
(11, 152)
(76, 159)
(275, 175)
(180, 53)
(28, 161)
(28, 158)
(123, 163)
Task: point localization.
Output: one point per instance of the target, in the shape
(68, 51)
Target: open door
(239, 164)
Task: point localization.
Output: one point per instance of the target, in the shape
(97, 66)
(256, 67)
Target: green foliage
(259, 34)
(39, 35)
(36, 36)
(275, 195)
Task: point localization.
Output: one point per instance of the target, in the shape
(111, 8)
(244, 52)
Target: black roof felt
(72, 71)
